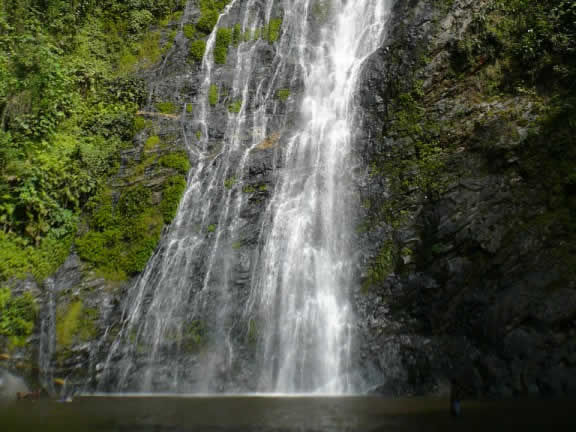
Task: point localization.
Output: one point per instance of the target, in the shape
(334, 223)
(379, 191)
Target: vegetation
(75, 323)
(229, 183)
(283, 94)
(235, 106)
(514, 50)
(274, 29)
(17, 317)
(177, 161)
(213, 95)
(223, 40)
(197, 50)
(67, 106)
(166, 107)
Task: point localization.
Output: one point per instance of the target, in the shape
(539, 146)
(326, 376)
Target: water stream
(190, 325)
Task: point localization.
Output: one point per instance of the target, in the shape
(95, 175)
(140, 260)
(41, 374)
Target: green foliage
(283, 94)
(189, 31)
(17, 317)
(166, 107)
(209, 9)
(237, 34)
(197, 50)
(189, 108)
(140, 124)
(177, 161)
(223, 40)
(235, 106)
(533, 41)
(152, 143)
(75, 323)
(211, 228)
(173, 190)
(213, 95)
(67, 107)
(122, 236)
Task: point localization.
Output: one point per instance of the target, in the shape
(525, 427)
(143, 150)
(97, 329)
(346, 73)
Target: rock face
(463, 269)
(474, 277)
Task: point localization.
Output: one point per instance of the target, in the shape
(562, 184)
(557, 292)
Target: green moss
(274, 28)
(75, 323)
(171, 196)
(283, 94)
(229, 183)
(235, 106)
(151, 143)
(166, 107)
(223, 40)
(237, 245)
(198, 135)
(381, 267)
(197, 50)
(67, 323)
(17, 318)
(213, 95)
(263, 187)
(211, 228)
(249, 189)
(189, 108)
(178, 161)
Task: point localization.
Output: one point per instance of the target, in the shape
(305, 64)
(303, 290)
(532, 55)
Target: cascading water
(191, 324)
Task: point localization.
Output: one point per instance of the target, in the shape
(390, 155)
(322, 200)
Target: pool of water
(276, 414)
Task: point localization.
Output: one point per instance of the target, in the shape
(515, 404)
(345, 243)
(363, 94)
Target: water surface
(275, 414)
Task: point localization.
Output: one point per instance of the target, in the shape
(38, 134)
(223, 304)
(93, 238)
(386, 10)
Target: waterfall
(47, 338)
(217, 310)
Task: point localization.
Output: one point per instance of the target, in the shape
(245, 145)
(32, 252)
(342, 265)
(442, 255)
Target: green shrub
(134, 201)
(17, 317)
(189, 31)
(140, 123)
(151, 143)
(223, 40)
(237, 34)
(197, 50)
(177, 161)
(207, 21)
